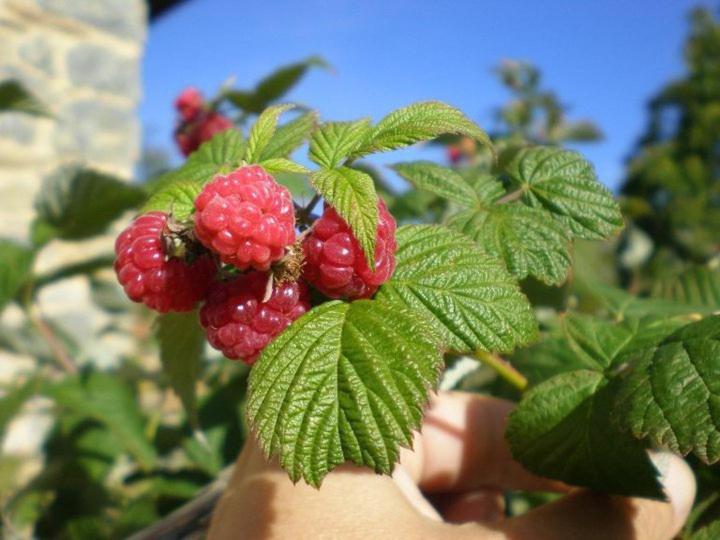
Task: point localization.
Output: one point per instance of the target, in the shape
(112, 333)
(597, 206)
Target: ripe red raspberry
(149, 276)
(190, 135)
(335, 263)
(237, 321)
(246, 217)
(189, 104)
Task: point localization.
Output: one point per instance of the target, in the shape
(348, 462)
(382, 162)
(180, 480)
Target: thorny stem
(503, 368)
(56, 347)
(46, 332)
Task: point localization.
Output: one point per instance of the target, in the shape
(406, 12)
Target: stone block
(97, 131)
(18, 127)
(37, 52)
(103, 69)
(123, 18)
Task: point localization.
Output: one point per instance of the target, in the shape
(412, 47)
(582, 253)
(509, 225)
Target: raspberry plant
(342, 384)
(483, 266)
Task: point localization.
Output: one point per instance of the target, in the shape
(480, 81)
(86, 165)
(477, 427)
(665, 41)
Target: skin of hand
(462, 464)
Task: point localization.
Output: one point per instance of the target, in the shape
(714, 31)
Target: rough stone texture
(119, 17)
(104, 70)
(107, 134)
(81, 58)
(37, 52)
(18, 127)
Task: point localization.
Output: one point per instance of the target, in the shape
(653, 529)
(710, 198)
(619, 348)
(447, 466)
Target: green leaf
(79, 203)
(181, 347)
(468, 295)
(488, 189)
(597, 343)
(622, 304)
(565, 184)
(224, 151)
(528, 239)
(175, 191)
(584, 342)
(419, 122)
(352, 194)
(105, 398)
(282, 165)
(263, 130)
(177, 199)
(13, 399)
(441, 181)
(334, 141)
(698, 286)
(709, 532)
(16, 263)
(290, 136)
(274, 86)
(298, 184)
(15, 98)
(545, 359)
(341, 384)
(671, 394)
(562, 429)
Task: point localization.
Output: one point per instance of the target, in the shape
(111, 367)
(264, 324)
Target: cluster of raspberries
(197, 122)
(243, 229)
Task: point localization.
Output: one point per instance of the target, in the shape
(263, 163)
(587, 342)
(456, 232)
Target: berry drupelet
(335, 263)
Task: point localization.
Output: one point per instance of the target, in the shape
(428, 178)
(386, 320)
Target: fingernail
(678, 483)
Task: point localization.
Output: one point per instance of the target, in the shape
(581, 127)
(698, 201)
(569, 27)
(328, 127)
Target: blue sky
(604, 58)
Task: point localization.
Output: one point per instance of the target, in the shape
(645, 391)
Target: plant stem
(304, 213)
(312, 203)
(56, 347)
(512, 196)
(72, 270)
(503, 368)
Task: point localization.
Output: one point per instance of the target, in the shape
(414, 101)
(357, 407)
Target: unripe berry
(189, 104)
(335, 263)
(246, 217)
(149, 276)
(238, 322)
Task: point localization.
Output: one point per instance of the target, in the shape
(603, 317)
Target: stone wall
(81, 58)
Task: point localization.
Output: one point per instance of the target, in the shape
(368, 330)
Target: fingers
(484, 506)
(461, 450)
(261, 502)
(591, 516)
(462, 447)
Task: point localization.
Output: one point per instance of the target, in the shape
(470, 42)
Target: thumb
(587, 515)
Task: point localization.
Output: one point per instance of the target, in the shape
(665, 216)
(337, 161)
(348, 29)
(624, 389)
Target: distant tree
(672, 187)
(535, 114)
(531, 115)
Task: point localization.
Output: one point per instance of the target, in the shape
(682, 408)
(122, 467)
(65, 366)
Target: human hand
(462, 463)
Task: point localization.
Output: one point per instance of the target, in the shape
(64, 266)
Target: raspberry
(149, 276)
(237, 321)
(246, 217)
(187, 142)
(189, 104)
(190, 135)
(210, 124)
(335, 263)
(454, 154)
